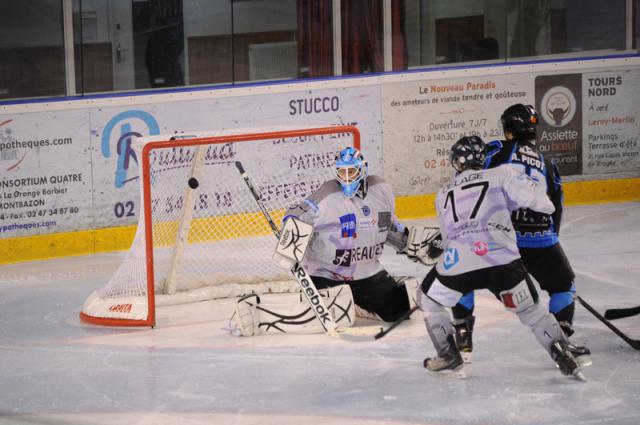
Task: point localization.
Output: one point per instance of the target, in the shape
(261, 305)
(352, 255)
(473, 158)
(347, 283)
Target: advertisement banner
(75, 169)
(115, 171)
(611, 121)
(45, 163)
(422, 119)
(559, 106)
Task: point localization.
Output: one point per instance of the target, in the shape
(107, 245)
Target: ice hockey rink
(56, 370)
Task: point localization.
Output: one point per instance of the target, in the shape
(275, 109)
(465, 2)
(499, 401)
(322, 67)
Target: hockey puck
(193, 183)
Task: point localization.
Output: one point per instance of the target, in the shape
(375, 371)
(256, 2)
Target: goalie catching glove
(424, 244)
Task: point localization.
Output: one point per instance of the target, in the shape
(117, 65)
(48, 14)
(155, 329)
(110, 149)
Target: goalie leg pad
(245, 314)
(339, 301)
(366, 314)
(291, 314)
(411, 285)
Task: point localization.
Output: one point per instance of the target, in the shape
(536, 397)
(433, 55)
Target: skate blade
(584, 361)
(449, 373)
(579, 375)
(466, 356)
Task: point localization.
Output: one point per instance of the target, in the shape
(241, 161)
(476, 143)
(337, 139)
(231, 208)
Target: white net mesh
(210, 239)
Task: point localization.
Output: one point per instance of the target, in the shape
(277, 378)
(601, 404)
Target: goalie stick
(307, 286)
(412, 310)
(395, 324)
(620, 313)
(632, 342)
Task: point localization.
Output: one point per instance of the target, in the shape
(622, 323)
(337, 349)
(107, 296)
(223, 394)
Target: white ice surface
(56, 370)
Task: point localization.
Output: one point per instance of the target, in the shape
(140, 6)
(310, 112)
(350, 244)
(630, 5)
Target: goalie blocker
(293, 242)
(424, 244)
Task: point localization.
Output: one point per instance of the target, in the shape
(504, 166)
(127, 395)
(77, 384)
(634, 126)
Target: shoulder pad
(373, 180)
(329, 187)
(312, 202)
(493, 147)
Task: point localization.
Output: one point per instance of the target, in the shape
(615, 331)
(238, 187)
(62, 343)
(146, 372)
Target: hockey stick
(619, 313)
(307, 286)
(632, 342)
(395, 324)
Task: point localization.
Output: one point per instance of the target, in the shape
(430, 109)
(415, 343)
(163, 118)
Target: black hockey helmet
(468, 153)
(520, 120)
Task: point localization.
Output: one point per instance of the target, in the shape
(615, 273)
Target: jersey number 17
(450, 199)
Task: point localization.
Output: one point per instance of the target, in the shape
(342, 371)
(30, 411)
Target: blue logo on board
(123, 142)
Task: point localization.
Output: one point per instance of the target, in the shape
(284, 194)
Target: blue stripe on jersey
(538, 240)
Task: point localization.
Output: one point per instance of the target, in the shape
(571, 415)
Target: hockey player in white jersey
(352, 217)
(480, 252)
(537, 234)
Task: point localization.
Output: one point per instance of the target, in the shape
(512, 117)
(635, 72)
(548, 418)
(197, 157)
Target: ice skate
(566, 327)
(581, 353)
(447, 365)
(565, 361)
(464, 336)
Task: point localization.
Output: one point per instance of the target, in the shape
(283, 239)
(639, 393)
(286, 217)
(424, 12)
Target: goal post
(200, 235)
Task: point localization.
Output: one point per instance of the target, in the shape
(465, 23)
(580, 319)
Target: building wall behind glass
(31, 49)
(125, 45)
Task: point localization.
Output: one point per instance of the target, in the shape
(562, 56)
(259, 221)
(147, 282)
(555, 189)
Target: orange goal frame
(146, 202)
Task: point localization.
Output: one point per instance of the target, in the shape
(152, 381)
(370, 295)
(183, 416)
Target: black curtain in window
(315, 38)
(362, 37)
(398, 38)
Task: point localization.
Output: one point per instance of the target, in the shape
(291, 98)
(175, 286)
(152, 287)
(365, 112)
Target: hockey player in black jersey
(537, 234)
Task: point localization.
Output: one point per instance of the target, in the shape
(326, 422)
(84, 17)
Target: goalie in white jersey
(352, 217)
(480, 252)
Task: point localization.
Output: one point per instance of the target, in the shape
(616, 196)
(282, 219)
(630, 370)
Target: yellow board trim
(54, 245)
(602, 191)
(85, 242)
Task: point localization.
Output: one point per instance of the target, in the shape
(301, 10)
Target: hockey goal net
(201, 234)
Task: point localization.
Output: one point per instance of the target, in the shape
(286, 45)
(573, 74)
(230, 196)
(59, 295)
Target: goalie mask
(351, 172)
(520, 120)
(468, 153)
